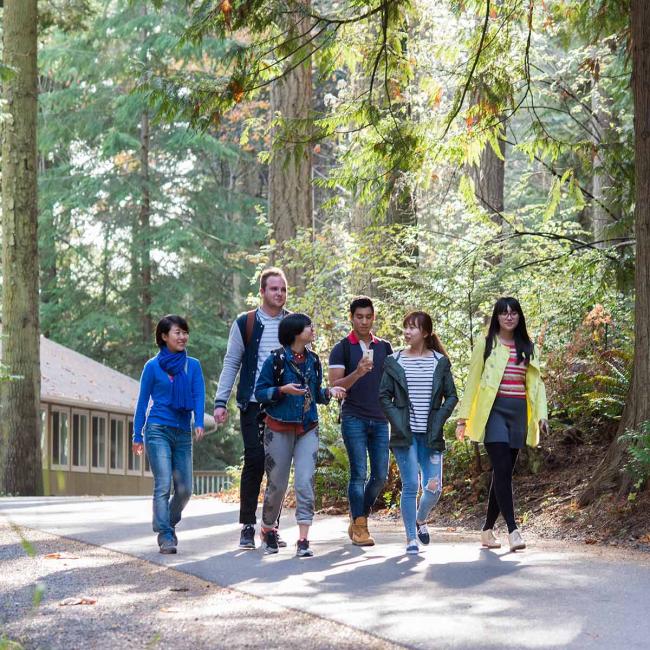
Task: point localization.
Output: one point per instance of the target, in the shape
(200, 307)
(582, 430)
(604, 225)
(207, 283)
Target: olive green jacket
(396, 405)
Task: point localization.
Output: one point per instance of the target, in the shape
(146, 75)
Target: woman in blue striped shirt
(417, 394)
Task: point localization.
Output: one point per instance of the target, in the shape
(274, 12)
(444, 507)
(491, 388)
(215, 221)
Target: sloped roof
(72, 379)
(68, 377)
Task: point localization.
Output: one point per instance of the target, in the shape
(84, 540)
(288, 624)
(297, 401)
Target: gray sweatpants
(279, 450)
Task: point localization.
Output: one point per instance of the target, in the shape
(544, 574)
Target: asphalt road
(453, 595)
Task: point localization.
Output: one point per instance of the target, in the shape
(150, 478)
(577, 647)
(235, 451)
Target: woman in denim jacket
(289, 387)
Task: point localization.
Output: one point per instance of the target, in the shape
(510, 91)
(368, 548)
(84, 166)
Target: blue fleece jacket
(156, 384)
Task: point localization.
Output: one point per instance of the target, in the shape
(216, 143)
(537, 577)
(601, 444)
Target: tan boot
(360, 534)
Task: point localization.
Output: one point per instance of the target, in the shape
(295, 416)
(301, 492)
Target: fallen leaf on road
(170, 610)
(590, 540)
(78, 600)
(451, 529)
(61, 555)
(645, 539)
(178, 589)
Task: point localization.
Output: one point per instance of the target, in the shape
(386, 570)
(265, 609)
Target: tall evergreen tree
(20, 455)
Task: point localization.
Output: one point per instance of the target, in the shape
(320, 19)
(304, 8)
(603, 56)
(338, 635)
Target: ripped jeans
(412, 461)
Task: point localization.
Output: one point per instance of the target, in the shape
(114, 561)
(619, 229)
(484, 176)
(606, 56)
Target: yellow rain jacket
(483, 381)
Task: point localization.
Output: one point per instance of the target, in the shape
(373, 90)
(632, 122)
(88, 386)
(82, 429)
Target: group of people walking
(391, 400)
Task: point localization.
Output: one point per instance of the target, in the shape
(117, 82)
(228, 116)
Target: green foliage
(332, 472)
(637, 442)
(93, 244)
(589, 377)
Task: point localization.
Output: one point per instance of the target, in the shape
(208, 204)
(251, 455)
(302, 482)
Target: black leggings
(503, 460)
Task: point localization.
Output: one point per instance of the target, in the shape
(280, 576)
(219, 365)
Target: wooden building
(87, 423)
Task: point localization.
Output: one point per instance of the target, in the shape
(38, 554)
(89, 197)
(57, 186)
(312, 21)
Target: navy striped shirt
(419, 379)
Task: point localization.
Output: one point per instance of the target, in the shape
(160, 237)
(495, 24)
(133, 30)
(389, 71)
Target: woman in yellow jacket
(504, 407)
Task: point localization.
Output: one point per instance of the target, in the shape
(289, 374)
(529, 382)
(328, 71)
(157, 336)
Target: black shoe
(270, 542)
(174, 537)
(302, 548)
(167, 547)
(281, 542)
(423, 533)
(247, 537)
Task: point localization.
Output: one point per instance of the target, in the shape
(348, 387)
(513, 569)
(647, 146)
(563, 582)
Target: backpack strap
(250, 323)
(345, 342)
(278, 365)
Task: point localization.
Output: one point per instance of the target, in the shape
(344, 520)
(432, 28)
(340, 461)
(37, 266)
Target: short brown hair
(271, 271)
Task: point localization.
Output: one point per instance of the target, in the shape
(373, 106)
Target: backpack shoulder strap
(278, 365)
(246, 323)
(345, 342)
(317, 365)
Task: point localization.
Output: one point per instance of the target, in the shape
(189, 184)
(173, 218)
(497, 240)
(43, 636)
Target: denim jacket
(291, 408)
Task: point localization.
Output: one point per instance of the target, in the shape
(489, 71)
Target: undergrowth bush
(637, 442)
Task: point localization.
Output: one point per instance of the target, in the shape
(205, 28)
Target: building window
(80, 440)
(44, 449)
(134, 462)
(98, 442)
(116, 461)
(60, 442)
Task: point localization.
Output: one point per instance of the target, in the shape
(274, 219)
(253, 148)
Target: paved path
(454, 595)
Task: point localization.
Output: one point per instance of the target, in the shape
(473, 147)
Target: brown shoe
(350, 528)
(360, 534)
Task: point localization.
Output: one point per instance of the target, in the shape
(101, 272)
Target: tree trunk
(599, 179)
(489, 178)
(144, 237)
(291, 200)
(608, 475)
(20, 461)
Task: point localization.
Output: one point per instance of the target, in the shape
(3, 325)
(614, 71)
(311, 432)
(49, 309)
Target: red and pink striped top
(513, 382)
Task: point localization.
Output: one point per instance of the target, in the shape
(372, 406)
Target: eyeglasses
(509, 314)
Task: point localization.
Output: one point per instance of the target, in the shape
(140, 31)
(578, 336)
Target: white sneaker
(516, 541)
(489, 539)
(412, 548)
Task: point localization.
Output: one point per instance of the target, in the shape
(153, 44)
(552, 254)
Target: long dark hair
(523, 343)
(423, 322)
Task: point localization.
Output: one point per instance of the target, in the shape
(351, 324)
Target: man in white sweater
(253, 336)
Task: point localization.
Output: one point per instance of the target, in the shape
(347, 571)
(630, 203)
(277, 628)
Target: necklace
(299, 356)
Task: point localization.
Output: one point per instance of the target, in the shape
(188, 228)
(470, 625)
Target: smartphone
(368, 354)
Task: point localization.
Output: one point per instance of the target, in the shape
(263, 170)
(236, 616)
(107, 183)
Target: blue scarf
(173, 363)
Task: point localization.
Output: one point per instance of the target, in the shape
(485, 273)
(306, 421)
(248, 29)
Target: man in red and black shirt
(356, 364)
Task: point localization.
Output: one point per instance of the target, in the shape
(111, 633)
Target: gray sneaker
(167, 547)
(302, 548)
(247, 537)
(270, 542)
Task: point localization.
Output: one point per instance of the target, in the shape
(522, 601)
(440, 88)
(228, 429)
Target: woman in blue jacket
(173, 383)
(289, 387)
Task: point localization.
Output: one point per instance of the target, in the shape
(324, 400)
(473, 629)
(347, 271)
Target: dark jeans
(365, 439)
(252, 432)
(503, 458)
(170, 456)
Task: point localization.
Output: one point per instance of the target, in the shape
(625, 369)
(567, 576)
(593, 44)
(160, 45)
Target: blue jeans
(365, 439)
(429, 463)
(170, 456)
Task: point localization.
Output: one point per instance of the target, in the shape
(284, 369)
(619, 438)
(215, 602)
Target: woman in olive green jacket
(417, 394)
(504, 407)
